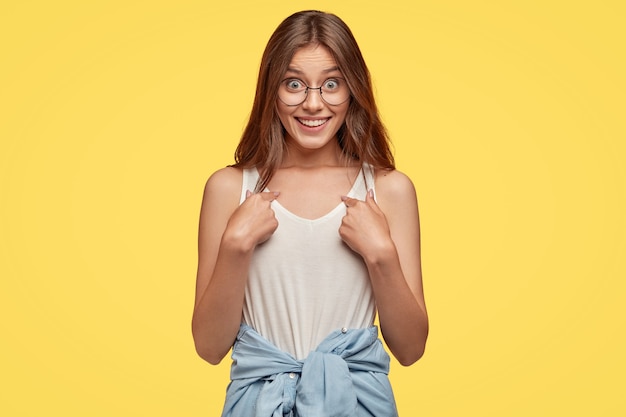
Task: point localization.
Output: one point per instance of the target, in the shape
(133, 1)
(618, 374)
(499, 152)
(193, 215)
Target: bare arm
(228, 234)
(387, 235)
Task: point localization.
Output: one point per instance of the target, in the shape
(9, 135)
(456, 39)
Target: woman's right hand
(253, 222)
(228, 233)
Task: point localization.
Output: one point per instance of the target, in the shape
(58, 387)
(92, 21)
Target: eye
(294, 84)
(331, 84)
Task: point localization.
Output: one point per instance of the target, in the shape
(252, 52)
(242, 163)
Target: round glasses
(293, 91)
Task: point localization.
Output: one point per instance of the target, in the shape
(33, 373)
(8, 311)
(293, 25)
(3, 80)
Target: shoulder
(396, 197)
(226, 180)
(393, 185)
(223, 189)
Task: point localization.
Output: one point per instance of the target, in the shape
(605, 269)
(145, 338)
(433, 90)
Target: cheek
(284, 114)
(342, 114)
(285, 123)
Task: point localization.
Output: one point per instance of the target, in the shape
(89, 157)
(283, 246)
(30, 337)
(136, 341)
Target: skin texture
(310, 182)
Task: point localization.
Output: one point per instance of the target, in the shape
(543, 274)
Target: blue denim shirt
(346, 376)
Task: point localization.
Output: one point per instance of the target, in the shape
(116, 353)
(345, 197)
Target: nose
(313, 100)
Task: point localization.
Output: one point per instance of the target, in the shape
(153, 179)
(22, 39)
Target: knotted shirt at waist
(345, 376)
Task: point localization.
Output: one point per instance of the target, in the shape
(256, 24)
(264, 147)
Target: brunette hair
(362, 137)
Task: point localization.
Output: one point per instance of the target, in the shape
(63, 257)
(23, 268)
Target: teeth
(313, 123)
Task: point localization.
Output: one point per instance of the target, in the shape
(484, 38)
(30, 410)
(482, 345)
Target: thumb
(270, 195)
(349, 202)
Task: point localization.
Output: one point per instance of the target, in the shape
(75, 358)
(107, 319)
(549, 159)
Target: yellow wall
(508, 116)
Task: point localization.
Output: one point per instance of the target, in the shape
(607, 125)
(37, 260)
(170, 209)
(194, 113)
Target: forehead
(312, 59)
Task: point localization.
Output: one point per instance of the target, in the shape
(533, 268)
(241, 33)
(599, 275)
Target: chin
(311, 143)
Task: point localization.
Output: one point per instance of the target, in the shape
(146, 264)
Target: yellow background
(508, 116)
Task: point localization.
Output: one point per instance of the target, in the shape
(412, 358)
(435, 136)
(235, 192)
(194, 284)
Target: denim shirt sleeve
(346, 376)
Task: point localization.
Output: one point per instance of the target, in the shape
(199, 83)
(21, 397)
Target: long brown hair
(362, 137)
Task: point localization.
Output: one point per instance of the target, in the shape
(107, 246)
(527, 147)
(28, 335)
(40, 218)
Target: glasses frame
(306, 91)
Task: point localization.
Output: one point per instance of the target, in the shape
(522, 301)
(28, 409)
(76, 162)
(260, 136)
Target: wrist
(237, 242)
(381, 254)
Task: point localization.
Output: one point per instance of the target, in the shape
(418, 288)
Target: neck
(330, 155)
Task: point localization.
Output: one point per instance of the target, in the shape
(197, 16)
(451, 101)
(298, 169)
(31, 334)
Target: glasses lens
(335, 91)
(294, 92)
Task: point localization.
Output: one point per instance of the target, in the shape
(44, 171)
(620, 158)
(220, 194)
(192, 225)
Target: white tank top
(305, 282)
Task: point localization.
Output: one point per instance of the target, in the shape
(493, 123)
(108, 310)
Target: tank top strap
(250, 177)
(368, 177)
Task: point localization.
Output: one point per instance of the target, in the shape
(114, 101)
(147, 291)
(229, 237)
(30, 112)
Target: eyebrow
(326, 71)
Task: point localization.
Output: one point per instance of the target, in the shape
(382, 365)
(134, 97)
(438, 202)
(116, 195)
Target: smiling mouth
(312, 123)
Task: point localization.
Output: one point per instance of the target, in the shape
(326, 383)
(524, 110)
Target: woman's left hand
(364, 227)
(387, 236)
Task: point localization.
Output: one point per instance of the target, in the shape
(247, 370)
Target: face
(312, 124)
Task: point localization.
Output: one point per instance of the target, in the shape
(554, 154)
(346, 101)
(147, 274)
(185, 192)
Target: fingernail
(344, 198)
(276, 193)
(371, 193)
(248, 193)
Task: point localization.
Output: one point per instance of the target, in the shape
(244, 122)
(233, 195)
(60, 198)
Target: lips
(312, 122)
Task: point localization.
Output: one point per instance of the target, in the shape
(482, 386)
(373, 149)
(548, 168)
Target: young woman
(308, 236)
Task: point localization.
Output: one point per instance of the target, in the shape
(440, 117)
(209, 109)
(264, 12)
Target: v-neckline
(323, 217)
